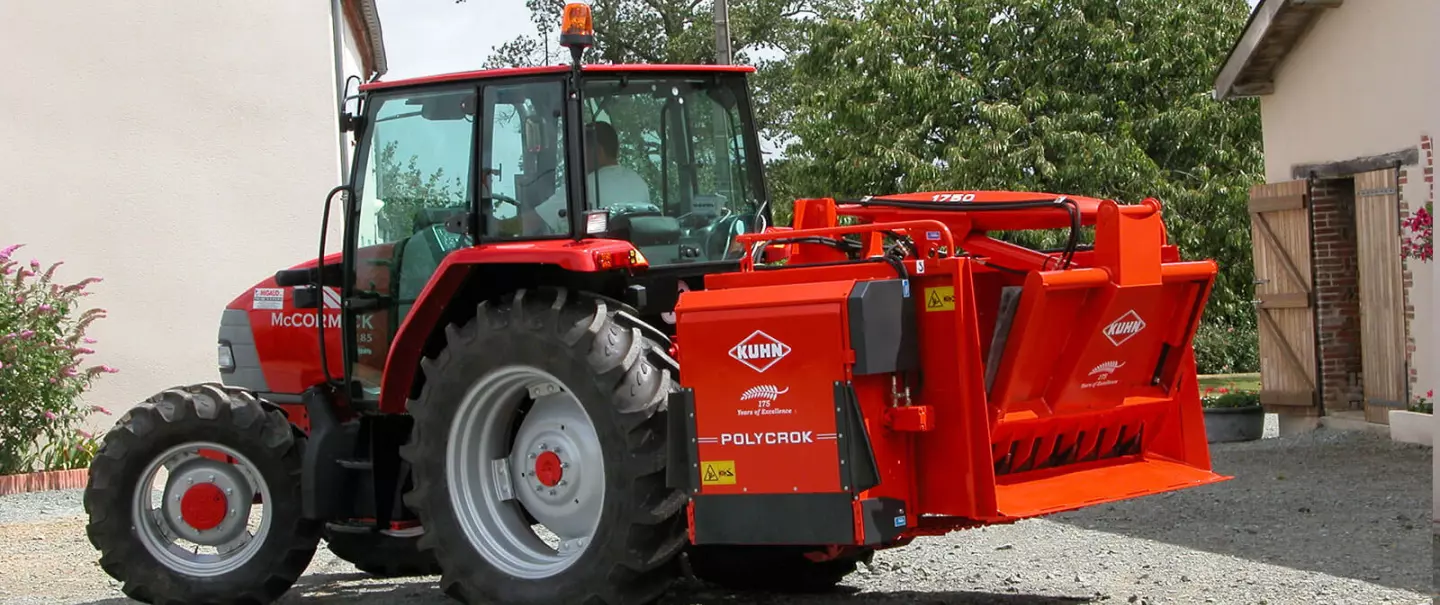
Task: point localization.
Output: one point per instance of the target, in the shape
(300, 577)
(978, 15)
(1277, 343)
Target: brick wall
(1337, 293)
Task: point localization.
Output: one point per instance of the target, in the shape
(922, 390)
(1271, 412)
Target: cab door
(412, 199)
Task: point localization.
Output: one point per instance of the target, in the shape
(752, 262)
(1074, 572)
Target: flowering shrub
(1419, 234)
(42, 348)
(1424, 405)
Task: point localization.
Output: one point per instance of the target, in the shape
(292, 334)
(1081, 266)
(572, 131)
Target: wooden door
(1382, 294)
(1284, 293)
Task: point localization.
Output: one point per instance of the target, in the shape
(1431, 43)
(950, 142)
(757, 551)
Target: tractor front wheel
(539, 454)
(224, 525)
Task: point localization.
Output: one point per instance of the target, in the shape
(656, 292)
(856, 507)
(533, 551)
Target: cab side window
(522, 161)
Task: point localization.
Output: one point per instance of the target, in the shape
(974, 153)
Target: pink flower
(96, 408)
(7, 251)
(85, 434)
(90, 341)
(46, 308)
(50, 415)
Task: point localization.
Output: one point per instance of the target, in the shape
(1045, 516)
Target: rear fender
(470, 275)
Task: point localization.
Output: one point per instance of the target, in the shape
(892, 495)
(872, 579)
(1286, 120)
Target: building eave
(363, 19)
(1274, 29)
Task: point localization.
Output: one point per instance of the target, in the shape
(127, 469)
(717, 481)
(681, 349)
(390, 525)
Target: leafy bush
(1226, 349)
(1228, 398)
(42, 348)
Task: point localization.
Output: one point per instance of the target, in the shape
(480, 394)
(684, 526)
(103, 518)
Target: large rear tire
(206, 502)
(547, 405)
(782, 569)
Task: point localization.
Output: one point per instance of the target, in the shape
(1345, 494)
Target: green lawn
(1240, 382)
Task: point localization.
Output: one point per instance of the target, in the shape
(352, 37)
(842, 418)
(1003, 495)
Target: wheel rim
(204, 505)
(551, 467)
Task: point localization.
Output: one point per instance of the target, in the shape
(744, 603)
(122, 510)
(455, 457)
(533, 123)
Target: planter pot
(1412, 427)
(1224, 425)
(43, 481)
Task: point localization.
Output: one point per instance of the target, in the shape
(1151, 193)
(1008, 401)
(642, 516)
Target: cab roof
(485, 74)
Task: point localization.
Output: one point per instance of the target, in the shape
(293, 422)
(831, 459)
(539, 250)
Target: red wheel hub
(203, 506)
(548, 469)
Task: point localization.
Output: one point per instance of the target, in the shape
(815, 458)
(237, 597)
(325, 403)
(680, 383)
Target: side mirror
(329, 275)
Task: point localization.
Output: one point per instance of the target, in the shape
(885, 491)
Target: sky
(440, 36)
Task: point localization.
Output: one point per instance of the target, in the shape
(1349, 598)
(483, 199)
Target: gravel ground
(1324, 518)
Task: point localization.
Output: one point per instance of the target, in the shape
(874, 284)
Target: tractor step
(355, 465)
(1075, 489)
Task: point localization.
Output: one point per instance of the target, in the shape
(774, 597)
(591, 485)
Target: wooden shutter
(1382, 294)
(1284, 292)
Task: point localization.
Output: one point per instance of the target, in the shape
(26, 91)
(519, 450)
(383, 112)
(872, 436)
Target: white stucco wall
(1362, 82)
(180, 151)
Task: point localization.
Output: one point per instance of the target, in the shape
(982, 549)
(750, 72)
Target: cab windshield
(670, 162)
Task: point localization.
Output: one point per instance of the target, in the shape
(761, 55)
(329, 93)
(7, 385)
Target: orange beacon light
(577, 27)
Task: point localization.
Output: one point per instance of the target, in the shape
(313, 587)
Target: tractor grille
(1059, 448)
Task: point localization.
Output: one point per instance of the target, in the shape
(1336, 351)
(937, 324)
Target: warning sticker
(268, 298)
(940, 298)
(719, 472)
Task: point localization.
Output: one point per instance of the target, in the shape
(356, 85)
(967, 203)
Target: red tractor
(486, 382)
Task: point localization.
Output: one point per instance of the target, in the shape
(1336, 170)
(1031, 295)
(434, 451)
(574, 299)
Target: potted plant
(1415, 424)
(1232, 415)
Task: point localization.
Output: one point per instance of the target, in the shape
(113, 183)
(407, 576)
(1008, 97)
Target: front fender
(403, 359)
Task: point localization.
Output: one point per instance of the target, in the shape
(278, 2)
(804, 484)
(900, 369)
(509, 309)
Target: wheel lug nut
(552, 492)
(212, 478)
(564, 465)
(532, 456)
(562, 482)
(544, 447)
(539, 488)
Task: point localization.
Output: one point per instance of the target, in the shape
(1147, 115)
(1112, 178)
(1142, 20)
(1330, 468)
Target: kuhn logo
(766, 394)
(760, 351)
(1125, 328)
(1104, 370)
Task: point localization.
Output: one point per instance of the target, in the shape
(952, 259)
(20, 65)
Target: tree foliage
(1106, 98)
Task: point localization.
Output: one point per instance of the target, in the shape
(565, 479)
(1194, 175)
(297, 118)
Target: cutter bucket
(868, 397)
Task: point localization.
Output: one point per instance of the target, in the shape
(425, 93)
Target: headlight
(226, 358)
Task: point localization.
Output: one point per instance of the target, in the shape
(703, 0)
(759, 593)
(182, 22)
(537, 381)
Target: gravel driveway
(1320, 518)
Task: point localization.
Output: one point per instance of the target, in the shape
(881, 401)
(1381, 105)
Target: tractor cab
(660, 165)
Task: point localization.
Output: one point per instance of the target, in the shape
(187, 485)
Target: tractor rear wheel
(380, 554)
(226, 530)
(771, 568)
(547, 406)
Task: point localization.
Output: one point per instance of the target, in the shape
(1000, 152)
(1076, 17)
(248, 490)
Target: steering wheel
(500, 197)
(725, 231)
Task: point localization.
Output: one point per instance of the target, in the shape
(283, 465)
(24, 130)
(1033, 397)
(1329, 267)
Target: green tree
(1107, 98)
